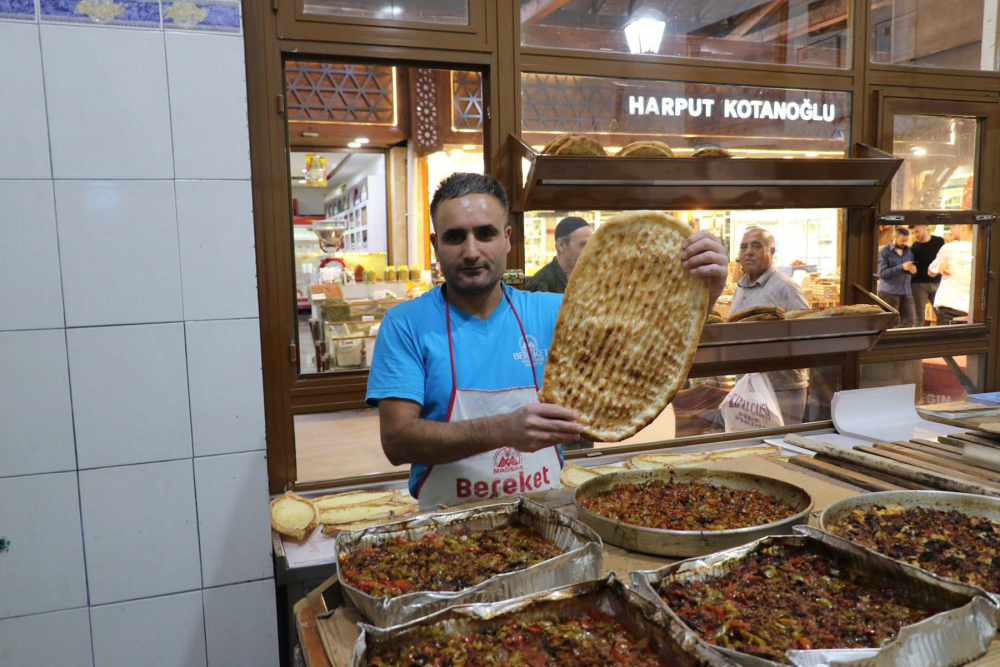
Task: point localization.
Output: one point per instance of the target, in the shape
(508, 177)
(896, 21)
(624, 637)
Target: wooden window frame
(492, 43)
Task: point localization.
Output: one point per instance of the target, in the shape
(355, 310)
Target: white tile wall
(23, 131)
(36, 420)
(43, 568)
(165, 631)
(218, 264)
(240, 625)
(129, 394)
(155, 278)
(109, 114)
(233, 518)
(118, 242)
(44, 640)
(227, 393)
(140, 531)
(208, 106)
(30, 288)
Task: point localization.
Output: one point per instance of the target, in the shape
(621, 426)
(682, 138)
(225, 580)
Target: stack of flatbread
(296, 516)
(711, 151)
(645, 149)
(574, 144)
(836, 311)
(758, 314)
(628, 328)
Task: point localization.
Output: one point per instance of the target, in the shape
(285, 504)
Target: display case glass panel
(939, 162)
(950, 34)
(936, 380)
(788, 32)
(450, 12)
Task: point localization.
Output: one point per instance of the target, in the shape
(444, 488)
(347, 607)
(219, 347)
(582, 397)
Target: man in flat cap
(572, 235)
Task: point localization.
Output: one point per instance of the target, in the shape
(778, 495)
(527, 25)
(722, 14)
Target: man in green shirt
(572, 235)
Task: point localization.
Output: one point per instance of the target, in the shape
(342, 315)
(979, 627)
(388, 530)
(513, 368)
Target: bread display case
(854, 184)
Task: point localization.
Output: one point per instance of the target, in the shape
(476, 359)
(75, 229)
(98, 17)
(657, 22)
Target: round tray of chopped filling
(952, 535)
(689, 511)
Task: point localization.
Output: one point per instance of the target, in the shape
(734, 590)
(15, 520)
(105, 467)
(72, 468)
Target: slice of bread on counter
(346, 515)
(573, 475)
(604, 470)
(767, 451)
(352, 498)
(335, 529)
(293, 515)
(649, 461)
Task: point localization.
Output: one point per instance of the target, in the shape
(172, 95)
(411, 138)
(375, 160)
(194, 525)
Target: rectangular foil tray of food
(967, 503)
(686, 543)
(581, 558)
(670, 639)
(949, 638)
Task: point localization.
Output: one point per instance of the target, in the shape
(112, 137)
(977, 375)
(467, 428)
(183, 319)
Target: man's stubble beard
(453, 280)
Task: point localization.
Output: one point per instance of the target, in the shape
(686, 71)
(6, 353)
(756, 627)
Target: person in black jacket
(572, 234)
(925, 248)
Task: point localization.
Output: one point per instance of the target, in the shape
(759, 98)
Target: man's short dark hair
(461, 184)
(902, 231)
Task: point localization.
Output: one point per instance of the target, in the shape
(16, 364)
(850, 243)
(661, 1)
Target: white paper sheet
(315, 549)
(883, 414)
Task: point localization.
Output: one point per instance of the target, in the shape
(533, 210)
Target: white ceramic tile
(30, 289)
(36, 419)
(208, 106)
(241, 626)
(118, 242)
(166, 631)
(233, 518)
(107, 101)
(130, 396)
(59, 638)
(140, 531)
(24, 139)
(43, 568)
(227, 392)
(218, 263)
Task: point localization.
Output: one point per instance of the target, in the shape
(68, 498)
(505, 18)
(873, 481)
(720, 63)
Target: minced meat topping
(796, 599)
(687, 506)
(948, 543)
(444, 562)
(594, 640)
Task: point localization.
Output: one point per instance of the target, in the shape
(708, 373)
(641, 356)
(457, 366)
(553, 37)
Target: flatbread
(711, 151)
(714, 319)
(758, 313)
(646, 149)
(574, 144)
(628, 328)
(856, 309)
(799, 314)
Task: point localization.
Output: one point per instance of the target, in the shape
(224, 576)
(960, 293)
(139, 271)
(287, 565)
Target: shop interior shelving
(856, 183)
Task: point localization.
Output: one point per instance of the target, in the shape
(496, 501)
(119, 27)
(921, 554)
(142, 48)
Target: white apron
(501, 472)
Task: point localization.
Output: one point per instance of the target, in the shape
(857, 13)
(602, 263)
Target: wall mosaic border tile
(202, 15)
(121, 13)
(18, 10)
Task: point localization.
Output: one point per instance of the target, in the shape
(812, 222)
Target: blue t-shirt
(411, 351)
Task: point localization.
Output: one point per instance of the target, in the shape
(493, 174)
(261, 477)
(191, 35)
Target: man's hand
(540, 425)
(944, 270)
(704, 256)
(909, 267)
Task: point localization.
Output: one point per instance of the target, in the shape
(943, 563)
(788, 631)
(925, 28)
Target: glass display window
(453, 12)
(950, 34)
(939, 162)
(787, 32)
(936, 380)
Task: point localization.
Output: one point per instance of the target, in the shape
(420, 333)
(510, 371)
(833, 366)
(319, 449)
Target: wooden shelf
(613, 183)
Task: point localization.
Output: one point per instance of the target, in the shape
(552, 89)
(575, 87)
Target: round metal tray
(685, 543)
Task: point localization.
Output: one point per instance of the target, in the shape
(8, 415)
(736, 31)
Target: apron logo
(507, 459)
(537, 355)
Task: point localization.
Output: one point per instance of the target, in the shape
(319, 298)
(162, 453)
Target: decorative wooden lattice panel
(466, 101)
(340, 93)
(562, 103)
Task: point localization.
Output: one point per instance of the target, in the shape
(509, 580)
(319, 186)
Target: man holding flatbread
(763, 285)
(456, 371)
(571, 234)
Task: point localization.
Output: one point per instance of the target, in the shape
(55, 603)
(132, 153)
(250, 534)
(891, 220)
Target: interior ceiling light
(644, 31)
(361, 140)
(469, 147)
(918, 150)
(354, 144)
(312, 134)
(302, 181)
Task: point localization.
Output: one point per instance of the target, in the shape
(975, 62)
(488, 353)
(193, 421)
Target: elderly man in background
(572, 235)
(954, 264)
(763, 285)
(895, 270)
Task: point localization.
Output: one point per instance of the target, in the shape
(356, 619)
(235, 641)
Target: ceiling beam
(536, 10)
(753, 19)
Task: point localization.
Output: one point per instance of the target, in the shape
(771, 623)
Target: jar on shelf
(390, 274)
(414, 273)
